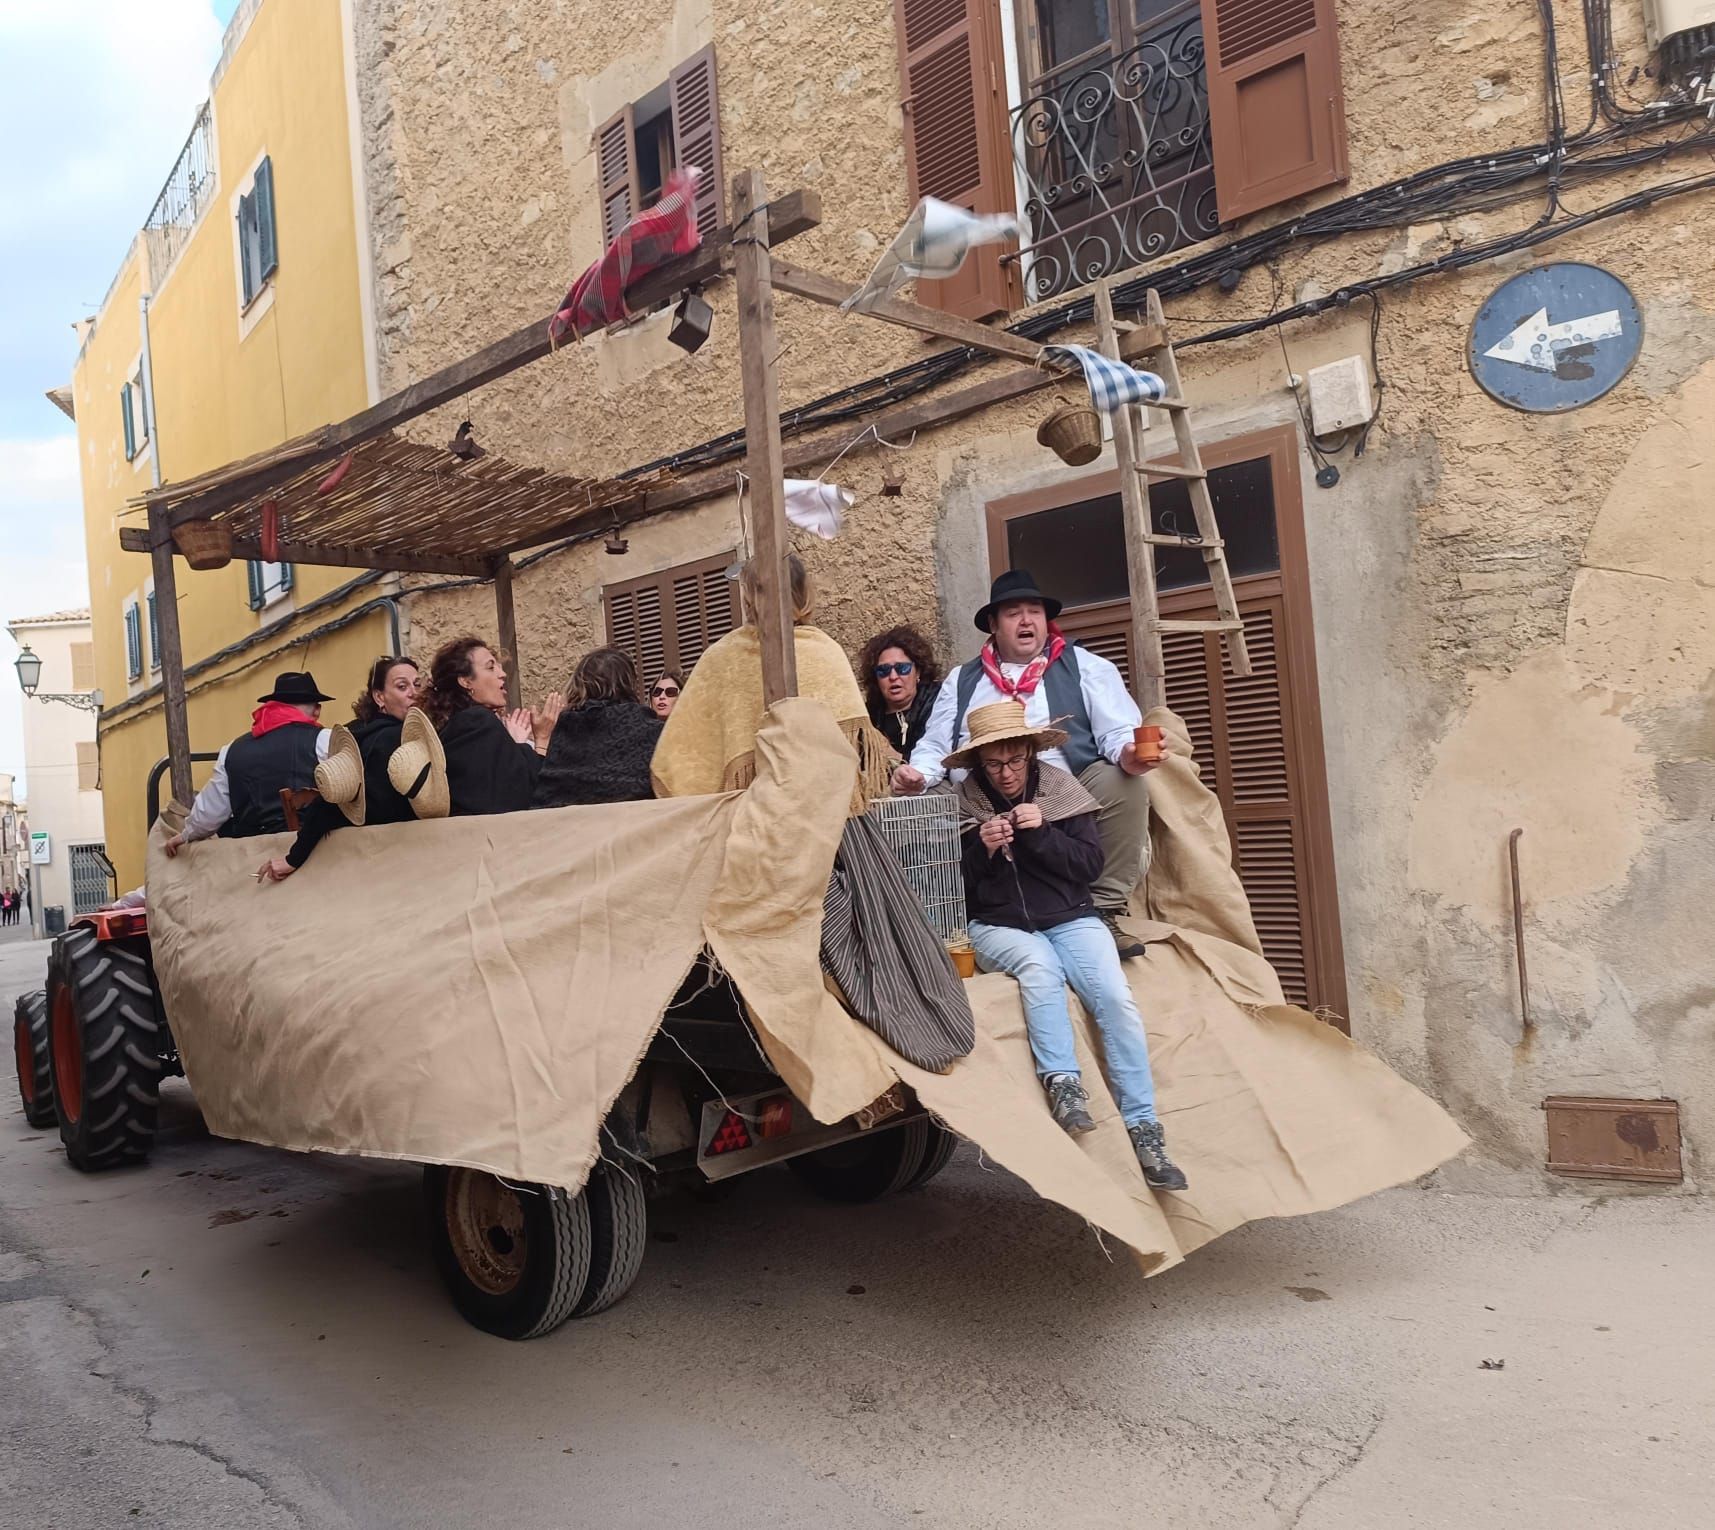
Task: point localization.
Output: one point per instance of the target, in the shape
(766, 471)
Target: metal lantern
(29, 667)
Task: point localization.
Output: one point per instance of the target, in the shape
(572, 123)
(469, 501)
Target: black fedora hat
(1015, 584)
(296, 687)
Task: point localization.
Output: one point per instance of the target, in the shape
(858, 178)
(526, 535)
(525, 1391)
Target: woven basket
(204, 544)
(1073, 432)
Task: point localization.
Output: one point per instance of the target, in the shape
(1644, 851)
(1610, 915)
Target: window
(133, 641)
(130, 413)
(677, 123)
(88, 767)
(154, 634)
(258, 251)
(83, 666)
(269, 583)
(665, 621)
(1123, 140)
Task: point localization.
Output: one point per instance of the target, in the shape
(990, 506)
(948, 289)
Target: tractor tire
(35, 1072)
(515, 1260)
(869, 1167)
(938, 1155)
(619, 1232)
(106, 1038)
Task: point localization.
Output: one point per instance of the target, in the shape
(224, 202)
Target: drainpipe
(149, 392)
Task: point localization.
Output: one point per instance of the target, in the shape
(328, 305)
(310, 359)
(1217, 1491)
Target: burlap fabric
(544, 947)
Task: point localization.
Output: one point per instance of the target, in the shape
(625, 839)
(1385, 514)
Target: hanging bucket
(204, 544)
(1073, 432)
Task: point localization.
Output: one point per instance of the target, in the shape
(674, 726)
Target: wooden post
(1149, 680)
(506, 620)
(172, 657)
(763, 463)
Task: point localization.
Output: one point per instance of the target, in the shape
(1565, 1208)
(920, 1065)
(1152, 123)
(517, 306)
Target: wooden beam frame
(506, 621)
(794, 214)
(763, 458)
(136, 539)
(172, 657)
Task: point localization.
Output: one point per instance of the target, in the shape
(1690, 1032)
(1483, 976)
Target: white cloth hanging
(817, 507)
(932, 246)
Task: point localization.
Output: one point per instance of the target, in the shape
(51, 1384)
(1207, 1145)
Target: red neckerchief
(1033, 671)
(276, 714)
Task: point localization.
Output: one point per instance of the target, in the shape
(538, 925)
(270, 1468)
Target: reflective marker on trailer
(774, 1119)
(730, 1136)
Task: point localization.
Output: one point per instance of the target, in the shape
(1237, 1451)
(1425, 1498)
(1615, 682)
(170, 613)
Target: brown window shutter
(616, 166)
(88, 768)
(83, 666)
(1276, 111)
(666, 620)
(957, 145)
(697, 132)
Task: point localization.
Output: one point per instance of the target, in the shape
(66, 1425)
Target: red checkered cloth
(655, 236)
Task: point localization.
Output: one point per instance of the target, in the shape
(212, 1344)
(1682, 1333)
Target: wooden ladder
(1142, 539)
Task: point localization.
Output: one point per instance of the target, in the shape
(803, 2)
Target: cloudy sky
(98, 97)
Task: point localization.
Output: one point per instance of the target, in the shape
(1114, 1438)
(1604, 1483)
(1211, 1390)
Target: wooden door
(1257, 740)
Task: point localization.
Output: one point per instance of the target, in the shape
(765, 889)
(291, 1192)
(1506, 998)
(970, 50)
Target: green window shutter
(267, 245)
(154, 635)
(255, 572)
(133, 643)
(285, 576)
(129, 421)
(247, 247)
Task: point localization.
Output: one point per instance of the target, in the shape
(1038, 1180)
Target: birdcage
(923, 834)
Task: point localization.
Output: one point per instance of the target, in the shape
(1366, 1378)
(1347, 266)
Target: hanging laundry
(932, 246)
(655, 236)
(817, 507)
(1112, 384)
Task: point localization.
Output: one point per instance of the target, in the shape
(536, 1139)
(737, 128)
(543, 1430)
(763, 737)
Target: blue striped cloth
(1112, 384)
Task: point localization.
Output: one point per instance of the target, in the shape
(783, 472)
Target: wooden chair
(294, 800)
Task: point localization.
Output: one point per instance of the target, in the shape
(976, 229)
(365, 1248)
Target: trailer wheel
(35, 1076)
(937, 1156)
(105, 1040)
(515, 1259)
(619, 1233)
(868, 1167)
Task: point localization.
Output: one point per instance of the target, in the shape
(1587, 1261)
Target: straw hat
(418, 767)
(994, 724)
(339, 778)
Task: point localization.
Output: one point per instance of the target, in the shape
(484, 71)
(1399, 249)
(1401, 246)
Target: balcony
(1112, 153)
(183, 200)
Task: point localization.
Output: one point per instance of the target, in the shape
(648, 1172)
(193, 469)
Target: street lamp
(29, 667)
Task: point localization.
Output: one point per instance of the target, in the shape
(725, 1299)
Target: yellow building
(253, 273)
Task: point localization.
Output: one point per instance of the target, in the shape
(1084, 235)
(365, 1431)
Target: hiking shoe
(1066, 1099)
(1159, 1171)
(1127, 945)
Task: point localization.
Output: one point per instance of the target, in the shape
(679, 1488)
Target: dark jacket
(600, 752)
(257, 769)
(488, 771)
(915, 719)
(376, 741)
(1047, 882)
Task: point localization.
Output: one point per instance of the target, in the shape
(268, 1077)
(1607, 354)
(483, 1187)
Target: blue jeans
(1081, 953)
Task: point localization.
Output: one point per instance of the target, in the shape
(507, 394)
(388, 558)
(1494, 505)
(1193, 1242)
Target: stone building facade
(1492, 620)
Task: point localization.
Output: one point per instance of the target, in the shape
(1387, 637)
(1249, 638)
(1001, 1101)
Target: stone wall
(1514, 616)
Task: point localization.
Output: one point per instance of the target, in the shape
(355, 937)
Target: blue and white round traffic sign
(1556, 337)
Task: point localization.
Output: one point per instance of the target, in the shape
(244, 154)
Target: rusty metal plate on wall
(1602, 1138)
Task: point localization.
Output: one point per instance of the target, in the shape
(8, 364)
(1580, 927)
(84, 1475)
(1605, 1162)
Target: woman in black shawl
(493, 755)
(603, 741)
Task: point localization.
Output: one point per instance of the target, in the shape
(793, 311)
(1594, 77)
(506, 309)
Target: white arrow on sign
(1536, 342)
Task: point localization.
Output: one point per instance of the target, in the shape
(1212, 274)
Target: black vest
(1064, 688)
(256, 771)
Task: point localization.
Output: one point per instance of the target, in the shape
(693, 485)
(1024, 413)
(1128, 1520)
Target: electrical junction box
(1340, 396)
(1667, 18)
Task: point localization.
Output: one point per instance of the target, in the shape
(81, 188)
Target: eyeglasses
(1010, 763)
(882, 671)
(664, 690)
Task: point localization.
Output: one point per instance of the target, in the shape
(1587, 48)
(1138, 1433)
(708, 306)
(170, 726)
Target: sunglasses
(882, 671)
(664, 690)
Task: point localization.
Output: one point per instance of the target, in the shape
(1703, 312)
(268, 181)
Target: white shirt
(214, 802)
(1114, 716)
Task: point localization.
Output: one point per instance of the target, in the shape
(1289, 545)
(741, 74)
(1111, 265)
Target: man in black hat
(1026, 658)
(281, 750)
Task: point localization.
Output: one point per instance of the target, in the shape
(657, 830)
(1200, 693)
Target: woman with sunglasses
(900, 683)
(664, 693)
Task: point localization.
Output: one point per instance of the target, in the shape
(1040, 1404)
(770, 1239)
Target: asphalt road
(234, 1337)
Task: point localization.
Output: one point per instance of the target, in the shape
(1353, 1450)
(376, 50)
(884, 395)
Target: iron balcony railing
(183, 200)
(1114, 157)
